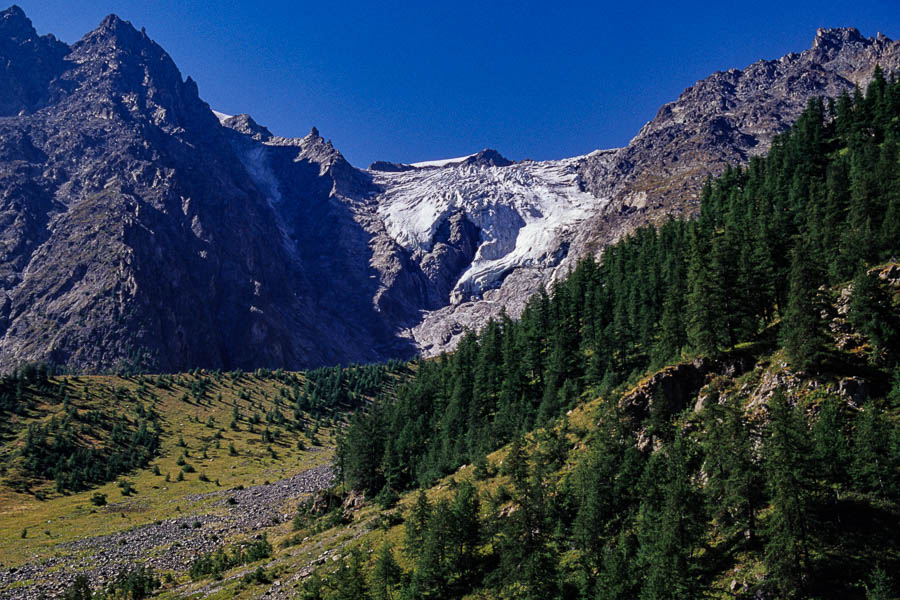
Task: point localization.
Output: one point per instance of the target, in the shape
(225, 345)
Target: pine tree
(802, 328)
(791, 488)
(874, 466)
(830, 449)
(879, 587)
(706, 330)
(386, 575)
(872, 313)
(734, 486)
(465, 535)
(670, 524)
(417, 523)
(349, 580)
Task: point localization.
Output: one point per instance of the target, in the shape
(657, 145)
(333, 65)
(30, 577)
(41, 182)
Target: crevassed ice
(525, 212)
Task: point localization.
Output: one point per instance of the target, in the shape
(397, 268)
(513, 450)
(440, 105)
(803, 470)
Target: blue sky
(426, 80)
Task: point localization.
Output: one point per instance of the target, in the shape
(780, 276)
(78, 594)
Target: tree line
(759, 263)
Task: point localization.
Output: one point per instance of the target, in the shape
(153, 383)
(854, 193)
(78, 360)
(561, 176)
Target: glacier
(525, 214)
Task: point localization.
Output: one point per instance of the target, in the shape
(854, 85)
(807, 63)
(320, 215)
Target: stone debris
(168, 545)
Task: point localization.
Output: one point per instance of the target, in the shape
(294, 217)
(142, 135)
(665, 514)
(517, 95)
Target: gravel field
(165, 545)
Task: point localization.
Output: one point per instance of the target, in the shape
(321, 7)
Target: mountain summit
(139, 229)
(29, 62)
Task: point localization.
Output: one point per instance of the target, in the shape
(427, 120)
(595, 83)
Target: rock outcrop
(726, 118)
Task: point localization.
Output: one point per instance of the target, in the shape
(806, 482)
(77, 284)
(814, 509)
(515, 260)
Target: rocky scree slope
(139, 228)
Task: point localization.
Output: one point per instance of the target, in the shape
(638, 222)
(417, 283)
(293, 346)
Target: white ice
(525, 213)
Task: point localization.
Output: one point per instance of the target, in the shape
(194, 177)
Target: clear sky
(412, 81)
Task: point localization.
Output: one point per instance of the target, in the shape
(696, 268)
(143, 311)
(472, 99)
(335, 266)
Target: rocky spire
(488, 158)
(14, 24)
(835, 38)
(116, 59)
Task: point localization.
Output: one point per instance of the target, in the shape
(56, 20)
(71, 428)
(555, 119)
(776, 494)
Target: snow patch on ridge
(222, 117)
(440, 163)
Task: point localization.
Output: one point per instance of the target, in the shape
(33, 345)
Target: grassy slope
(736, 567)
(62, 518)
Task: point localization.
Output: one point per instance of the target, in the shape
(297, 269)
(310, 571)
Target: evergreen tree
(791, 488)
(706, 330)
(872, 313)
(802, 328)
(669, 525)
(386, 575)
(734, 486)
(874, 467)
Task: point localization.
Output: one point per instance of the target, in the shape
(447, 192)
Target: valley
(234, 365)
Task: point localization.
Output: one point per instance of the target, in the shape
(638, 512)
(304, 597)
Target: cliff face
(138, 227)
(134, 228)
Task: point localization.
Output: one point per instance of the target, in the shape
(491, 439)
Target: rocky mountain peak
(123, 72)
(319, 148)
(29, 62)
(120, 36)
(244, 123)
(727, 118)
(837, 37)
(130, 219)
(487, 158)
(15, 24)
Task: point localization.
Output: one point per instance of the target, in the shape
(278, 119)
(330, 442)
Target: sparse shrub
(215, 563)
(387, 497)
(99, 499)
(135, 584)
(259, 576)
(481, 468)
(127, 487)
(79, 589)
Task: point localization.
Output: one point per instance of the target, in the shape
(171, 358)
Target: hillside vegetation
(97, 472)
(767, 464)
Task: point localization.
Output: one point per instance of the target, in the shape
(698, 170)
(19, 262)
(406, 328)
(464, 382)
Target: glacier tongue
(526, 214)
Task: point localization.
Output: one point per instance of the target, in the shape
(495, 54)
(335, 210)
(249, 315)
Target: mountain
(120, 198)
(139, 229)
(711, 410)
(726, 118)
